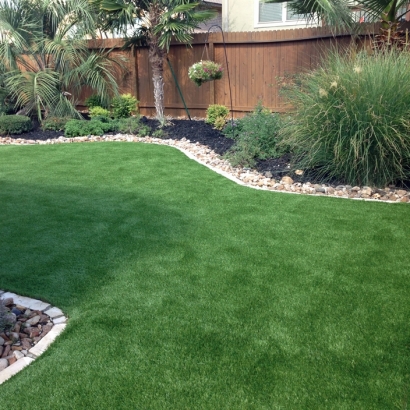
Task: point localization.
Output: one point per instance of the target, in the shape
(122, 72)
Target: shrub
(54, 123)
(216, 115)
(130, 125)
(14, 124)
(124, 105)
(351, 120)
(98, 111)
(79, 128)
(159, 133)
(95, 101)
(204, 71)
(256, 136)
(144, 130)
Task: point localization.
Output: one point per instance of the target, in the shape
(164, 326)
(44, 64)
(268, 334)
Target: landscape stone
(287, 180)
(34, 320)
(12, 360)
(16, 311)
(8, 301)
(3, 364)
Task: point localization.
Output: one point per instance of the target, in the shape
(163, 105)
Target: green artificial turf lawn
(187, 291)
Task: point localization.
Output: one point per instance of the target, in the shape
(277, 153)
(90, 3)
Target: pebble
(245, 175)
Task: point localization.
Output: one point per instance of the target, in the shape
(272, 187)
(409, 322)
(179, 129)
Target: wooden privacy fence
(256, 61)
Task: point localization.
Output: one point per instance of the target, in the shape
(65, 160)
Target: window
(268, 14)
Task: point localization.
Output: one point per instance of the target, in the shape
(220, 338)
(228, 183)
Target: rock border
(243, 176)
(59, 323)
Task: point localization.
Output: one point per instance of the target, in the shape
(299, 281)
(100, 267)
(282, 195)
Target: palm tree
(155, 23)
(44, 60)
(339, 13)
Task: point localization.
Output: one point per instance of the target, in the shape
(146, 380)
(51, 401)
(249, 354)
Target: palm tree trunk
(156, 59)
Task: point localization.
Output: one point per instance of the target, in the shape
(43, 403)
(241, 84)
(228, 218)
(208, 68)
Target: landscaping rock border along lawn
(244, 176)
(23, 344)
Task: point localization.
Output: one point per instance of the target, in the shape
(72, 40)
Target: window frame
(283, 23)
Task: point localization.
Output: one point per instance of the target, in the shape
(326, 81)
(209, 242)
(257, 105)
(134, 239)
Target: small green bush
(352, 118)
(123, 106)
(95, 101)
(216, 115)
(256, 136)
(14, 124)
(98, 111)
(79, 128)
(144, 131)
(129, 125)
(54, 123)
(159, 133)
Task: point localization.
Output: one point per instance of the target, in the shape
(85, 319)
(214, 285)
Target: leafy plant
(54, 123)
(204, 71)
(95, 100)
(256, 136)
(97, 111)
(144, 130)
(78, 128)
(159, 133)
(214, 113)
(351, 119)
(129, 125)
(124, 105)
(44, 54)
(14, 124)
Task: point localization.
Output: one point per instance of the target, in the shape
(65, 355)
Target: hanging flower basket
(205, 71)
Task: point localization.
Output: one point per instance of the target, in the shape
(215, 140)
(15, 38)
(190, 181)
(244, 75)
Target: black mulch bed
(195, 131)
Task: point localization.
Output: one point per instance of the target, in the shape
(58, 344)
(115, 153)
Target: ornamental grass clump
(352, 118)
(204, 71)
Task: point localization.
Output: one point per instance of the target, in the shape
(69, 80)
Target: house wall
(241, 15)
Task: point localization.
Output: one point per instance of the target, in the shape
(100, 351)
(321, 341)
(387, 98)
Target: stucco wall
(239, 15)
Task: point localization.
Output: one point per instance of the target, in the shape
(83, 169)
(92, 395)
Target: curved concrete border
(59, 323)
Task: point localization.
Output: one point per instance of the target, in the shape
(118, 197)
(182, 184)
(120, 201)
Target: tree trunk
(156, 59)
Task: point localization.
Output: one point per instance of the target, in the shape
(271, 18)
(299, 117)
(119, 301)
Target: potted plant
(204, 71)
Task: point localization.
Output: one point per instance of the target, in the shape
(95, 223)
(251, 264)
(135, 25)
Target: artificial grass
(187, 291)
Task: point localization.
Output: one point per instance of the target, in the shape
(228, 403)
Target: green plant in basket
(352, 118)
(204, 71)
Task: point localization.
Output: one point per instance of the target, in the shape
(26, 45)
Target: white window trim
(283, 23)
